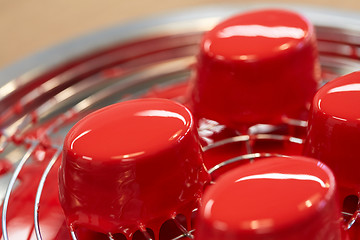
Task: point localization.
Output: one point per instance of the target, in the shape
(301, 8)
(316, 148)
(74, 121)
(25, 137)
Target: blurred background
(29, 26)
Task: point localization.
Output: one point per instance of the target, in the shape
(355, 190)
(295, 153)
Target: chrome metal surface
(72, 79)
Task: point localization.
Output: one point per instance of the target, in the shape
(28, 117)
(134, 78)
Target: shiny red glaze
(256, 67)
(334, 131)
(129, 164)
(5, 166)
(292, 198)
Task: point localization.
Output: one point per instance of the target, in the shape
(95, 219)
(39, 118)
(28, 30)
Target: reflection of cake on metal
(131, 165)
(256, 67)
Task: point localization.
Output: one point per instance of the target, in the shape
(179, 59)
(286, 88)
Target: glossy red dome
(334, 132)
(275, 198)
(129, 130)
(256, 67)
(257, 35)
(129, 164)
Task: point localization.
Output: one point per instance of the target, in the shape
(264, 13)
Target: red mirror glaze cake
(282, 198)
(256, 67)
(334, 132)
(130, 165)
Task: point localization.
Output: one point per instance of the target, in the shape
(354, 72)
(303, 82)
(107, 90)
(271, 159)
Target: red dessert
(131, 166)
(136, 165)
(334, 132)
(256, 67)
(291, 198)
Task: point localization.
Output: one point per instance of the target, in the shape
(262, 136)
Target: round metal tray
(56, 87)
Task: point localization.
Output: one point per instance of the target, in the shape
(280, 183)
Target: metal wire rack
(53, 94)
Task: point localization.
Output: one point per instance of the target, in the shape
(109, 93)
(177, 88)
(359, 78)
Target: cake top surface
(129, 130)
(269, 195)
(257, 35)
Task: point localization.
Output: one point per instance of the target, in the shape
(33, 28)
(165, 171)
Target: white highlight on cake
(282, 176)
(207, 209)
(80, 135)
(355, 87)
(161, 113)
(261, 31)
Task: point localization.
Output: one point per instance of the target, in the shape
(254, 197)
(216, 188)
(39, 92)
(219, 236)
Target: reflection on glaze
(146, 164)
(161, 113)
(275, 198)
(261, 31)
(354, 87)
(80, 135)
(207, 208)
(282, 176)
(128, 156)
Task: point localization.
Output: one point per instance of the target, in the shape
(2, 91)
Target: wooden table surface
(28, 26)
